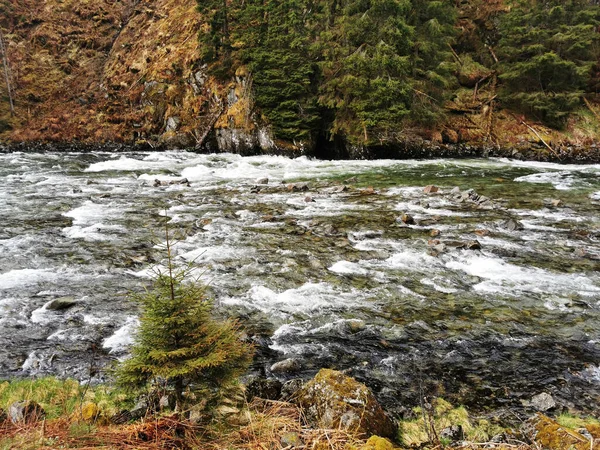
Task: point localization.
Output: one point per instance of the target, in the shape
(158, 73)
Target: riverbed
(486, 291)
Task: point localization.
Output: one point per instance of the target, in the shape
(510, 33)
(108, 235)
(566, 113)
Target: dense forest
(366, 70)
(353, 73)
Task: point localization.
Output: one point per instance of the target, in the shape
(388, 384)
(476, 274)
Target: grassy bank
(260, 424)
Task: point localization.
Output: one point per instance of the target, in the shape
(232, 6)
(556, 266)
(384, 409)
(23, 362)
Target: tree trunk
(7, 74)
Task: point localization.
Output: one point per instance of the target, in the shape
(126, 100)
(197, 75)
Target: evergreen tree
(366, 67)
(277, 49)
(547, 51)
(179, 342)
(434, 24)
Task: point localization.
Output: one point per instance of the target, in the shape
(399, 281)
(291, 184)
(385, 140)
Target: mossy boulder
(334, 400)
(90, 412)
(377, 443)
(550, 435)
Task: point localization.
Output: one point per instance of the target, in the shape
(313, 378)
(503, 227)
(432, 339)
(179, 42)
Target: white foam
(560, 180)
(500, 276)
(26, 277)
(90, 213)
(123, 338)
(307, 299)
(347, 268)
(96, 232)
(595, 196)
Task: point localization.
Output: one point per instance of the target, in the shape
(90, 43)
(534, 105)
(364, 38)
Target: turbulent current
(488, 296)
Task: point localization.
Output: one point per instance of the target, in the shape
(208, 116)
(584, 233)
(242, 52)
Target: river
(490, 297)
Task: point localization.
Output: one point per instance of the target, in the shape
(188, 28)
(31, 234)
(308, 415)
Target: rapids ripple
(330, 277)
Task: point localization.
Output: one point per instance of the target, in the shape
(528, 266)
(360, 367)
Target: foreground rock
(26, 412)
(550, 435)
(333, 400)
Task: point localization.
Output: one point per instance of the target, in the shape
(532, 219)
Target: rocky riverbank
(330, 411)
(410, 149)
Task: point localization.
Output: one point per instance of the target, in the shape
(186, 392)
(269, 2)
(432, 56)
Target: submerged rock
(511, 225)
(334, 400)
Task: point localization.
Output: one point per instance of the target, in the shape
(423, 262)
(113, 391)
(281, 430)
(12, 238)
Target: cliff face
(130, 71)
(123, 71)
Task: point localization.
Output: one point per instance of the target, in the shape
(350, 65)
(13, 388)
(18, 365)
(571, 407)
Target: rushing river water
(330, 276)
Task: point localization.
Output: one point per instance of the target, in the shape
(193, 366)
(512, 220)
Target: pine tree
(434, 25)
(547, 51)
(179, 342)
(277, 50)
(365, 68)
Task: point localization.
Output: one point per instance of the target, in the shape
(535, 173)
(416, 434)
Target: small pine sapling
(179, 343)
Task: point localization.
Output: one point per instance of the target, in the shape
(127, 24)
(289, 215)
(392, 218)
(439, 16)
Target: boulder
(90, 412)
(333, 400)
(263, 180)
(543, 402)
(61, 303)
(289, 365)
(121, 417)
(450, 136)
(550, 435)
(26, 412)
(290, 389)
(430, 189)
(377, 443)
(267, 388)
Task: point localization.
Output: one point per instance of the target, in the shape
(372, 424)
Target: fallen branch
(534, 131)
(589, 105)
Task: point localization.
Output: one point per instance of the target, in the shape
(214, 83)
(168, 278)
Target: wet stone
(289, 365)
(431, 189)
(407, 219)
(62, 303)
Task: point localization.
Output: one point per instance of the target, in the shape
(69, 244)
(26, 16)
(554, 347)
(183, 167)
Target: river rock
(291, 439)
(62, 303)
(473, 245)
(407, 219)
(290, 389)
(267, 388)
(553, 202)
(333, 400)
(434, 233)
(430, 189)
(298, 187)
(511, 225)
(26, 412)
(289, 365)
(263, 180)
(543, 402)
(453, 433)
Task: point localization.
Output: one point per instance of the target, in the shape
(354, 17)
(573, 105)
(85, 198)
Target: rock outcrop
(334, 400)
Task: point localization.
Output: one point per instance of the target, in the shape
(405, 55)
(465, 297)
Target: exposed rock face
(335, 400)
